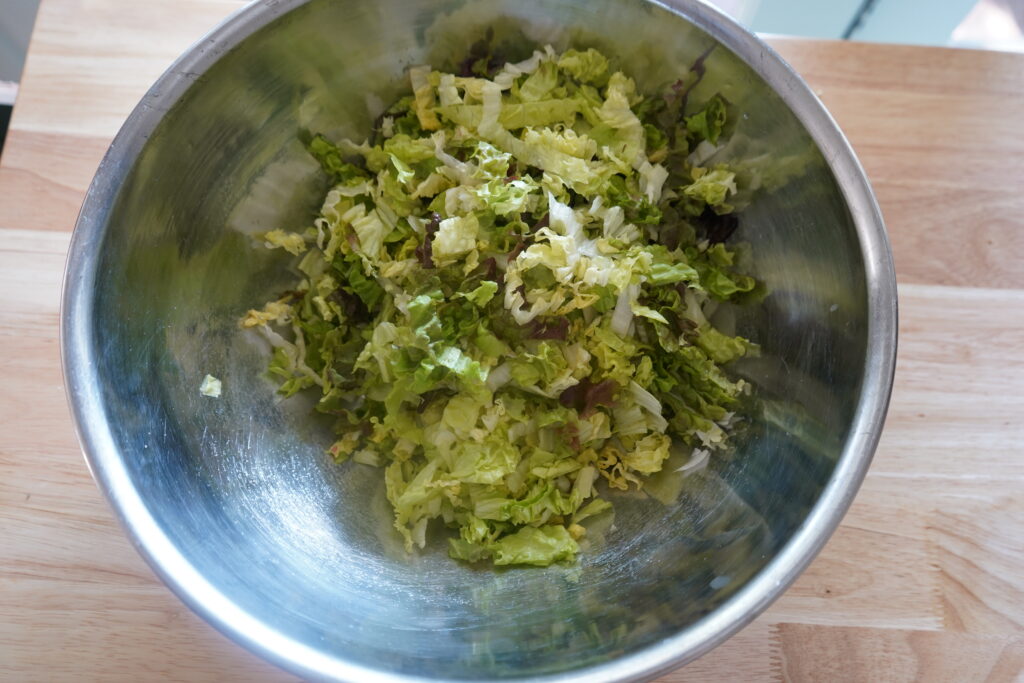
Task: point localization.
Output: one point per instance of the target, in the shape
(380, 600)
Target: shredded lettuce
(210, 386)
(589, 66)
(503, 301)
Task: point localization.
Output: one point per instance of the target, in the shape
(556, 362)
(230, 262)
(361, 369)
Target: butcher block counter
(924, 579)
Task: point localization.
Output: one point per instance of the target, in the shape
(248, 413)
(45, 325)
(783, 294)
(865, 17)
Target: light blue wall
(920, 22)
(16, 19)
(912, 21)
(825, 19)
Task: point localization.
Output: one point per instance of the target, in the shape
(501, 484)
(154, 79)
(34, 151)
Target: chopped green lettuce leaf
(538, 546)
(210, 386)
(502, 300)
(589, 66)
(292, 242)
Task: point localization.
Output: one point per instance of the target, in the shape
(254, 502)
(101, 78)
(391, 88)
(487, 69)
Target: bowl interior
(241, 486)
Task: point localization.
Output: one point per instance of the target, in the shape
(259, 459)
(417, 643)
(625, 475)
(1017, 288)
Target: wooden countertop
(924, 580)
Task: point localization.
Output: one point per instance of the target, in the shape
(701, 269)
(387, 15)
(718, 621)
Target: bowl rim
(174, 569)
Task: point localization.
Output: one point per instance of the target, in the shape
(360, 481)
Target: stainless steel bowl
(232, 500)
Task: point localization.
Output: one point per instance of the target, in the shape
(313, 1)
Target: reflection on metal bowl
(234, 502)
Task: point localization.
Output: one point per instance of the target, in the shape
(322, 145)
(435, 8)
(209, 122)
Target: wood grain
(76, 601)
(924, 580)
(45, 176)
(863, 654)
(89, 63)
(938, 132)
